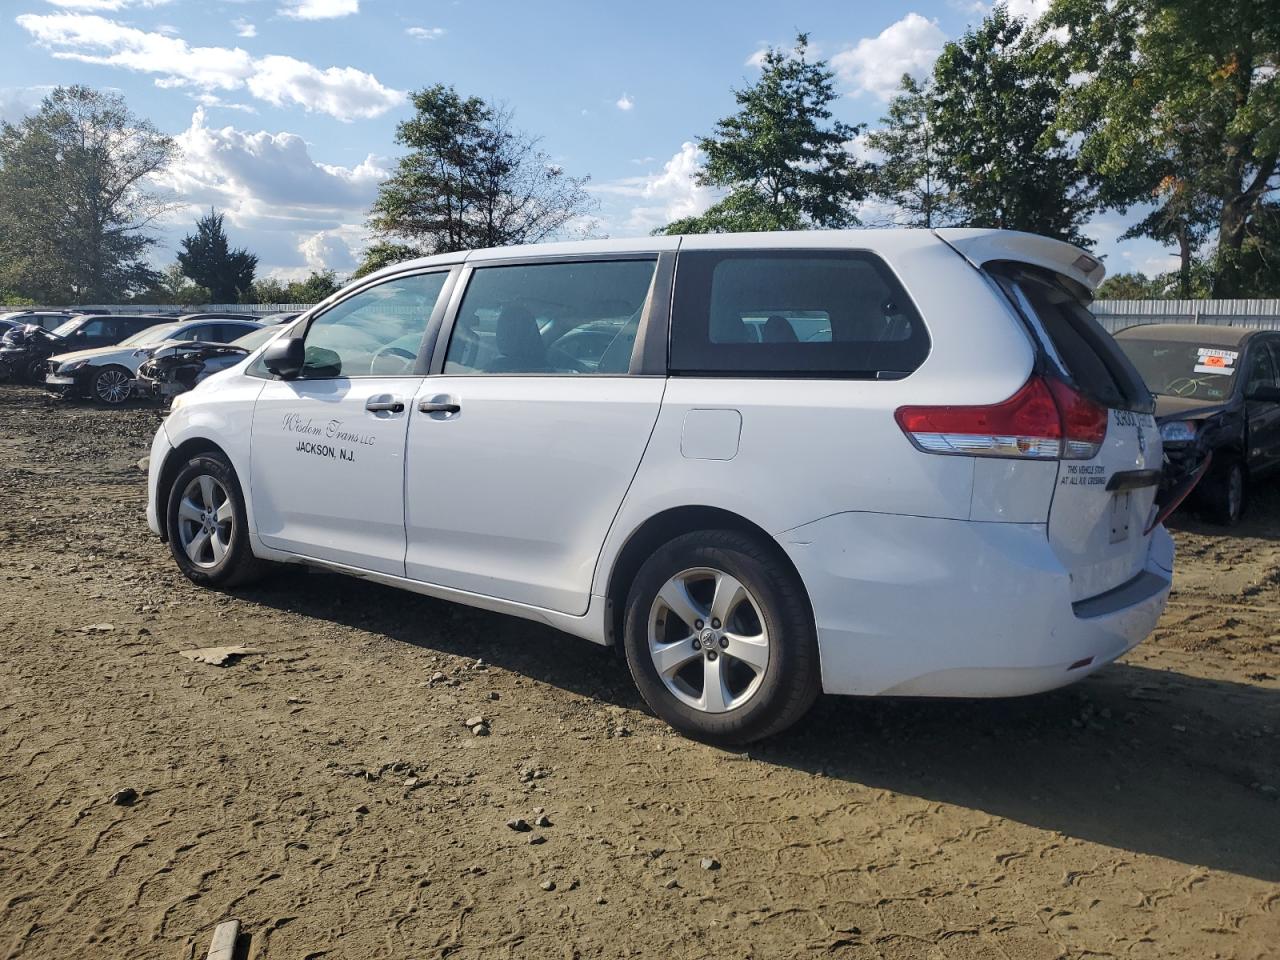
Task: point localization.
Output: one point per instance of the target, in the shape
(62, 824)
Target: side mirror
(1264, 394)
(284, 358)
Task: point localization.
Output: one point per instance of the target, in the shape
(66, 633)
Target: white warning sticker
(1209, 360)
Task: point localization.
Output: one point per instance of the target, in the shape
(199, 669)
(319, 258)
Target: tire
(198, 504)
(765, 687)
(1224, 492)
(35, 371)
(111, 386)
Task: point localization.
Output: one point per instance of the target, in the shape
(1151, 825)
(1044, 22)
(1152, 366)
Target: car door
(1262, 365)
(100, 332)
(327, 473)
(521, 451)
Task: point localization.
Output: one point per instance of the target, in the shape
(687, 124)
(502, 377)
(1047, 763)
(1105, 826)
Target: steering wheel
(561, 359)
(407, 361)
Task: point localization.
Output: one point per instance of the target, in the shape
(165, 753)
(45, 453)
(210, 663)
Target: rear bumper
(914, 606)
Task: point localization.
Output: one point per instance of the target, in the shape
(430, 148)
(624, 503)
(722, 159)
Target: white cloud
(17, 102)
(105, 6)
(757, 58)
(659, 198)
(1031, 9)
(876, 64)
(244, 28)
(624, 103)
(299, 214)
(263, 173)
(341, 92)
(333, 249)
(319, 9)
(426, 33)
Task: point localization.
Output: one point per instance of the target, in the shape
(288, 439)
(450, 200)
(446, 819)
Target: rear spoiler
(981, 247)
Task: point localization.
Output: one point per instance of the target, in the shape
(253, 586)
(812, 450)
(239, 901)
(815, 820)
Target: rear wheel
(207, 524)
(720, 639)
(1223, 492)
(112, 386)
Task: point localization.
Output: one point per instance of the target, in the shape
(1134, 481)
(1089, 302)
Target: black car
(24, 351)
(47, 319)
(1217, 394)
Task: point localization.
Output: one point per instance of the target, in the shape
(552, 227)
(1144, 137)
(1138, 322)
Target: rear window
(800, 313)
(1088, 356)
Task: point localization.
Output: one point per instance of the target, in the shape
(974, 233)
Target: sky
(285, 110)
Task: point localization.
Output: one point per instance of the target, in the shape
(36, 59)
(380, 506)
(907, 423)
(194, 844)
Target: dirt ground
(326, 792)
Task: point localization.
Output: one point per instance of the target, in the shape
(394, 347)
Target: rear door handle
(436, 406)
(385, 406)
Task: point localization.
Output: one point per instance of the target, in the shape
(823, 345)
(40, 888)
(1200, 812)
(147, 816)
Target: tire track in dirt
(1080, 822)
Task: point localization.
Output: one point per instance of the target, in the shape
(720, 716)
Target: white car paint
(928, 574)
(130, 357)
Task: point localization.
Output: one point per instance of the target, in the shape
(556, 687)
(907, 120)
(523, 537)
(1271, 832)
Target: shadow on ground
(1154, 762)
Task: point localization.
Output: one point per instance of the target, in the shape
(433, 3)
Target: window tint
(1090, 355)
(1261, 371)
(376, 333)
(562, 318)
(793, 313)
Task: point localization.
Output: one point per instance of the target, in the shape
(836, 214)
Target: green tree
(1129, 286)
(383, 254)
(911, 175)
(207, 259)
(172, 286)
(785, 163)
(74, 203)
(472, 180)
(1180, 107)
(312, 289)
(269, 290)
(1008, 163)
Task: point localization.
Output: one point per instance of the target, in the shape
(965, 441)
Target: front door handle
(384, 406)
(436, 406)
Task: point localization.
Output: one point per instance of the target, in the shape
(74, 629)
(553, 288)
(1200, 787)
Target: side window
(793, 314)
(557, 318)
(103, 330)
(1261, 369)
(375, 333)
(202, 331)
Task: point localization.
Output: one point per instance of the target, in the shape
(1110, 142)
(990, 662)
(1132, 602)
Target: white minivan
(906, 463)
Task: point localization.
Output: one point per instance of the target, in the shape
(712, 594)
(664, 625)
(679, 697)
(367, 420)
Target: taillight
(1045, 420)
(1084, 423)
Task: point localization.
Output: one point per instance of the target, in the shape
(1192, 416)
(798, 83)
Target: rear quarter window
(1089, 356)
(784, 313)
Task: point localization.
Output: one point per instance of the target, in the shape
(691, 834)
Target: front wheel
(112, 386)
(208, 526)
(1223, 493)
(36, 370)
(719, 638)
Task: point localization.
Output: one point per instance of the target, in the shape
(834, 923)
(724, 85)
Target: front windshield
(256, 338)
(67, 327)
(1183, 369)
(150, 335)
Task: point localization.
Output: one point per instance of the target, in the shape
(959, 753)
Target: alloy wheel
(708, 640)
(206, 521)
(113, 386)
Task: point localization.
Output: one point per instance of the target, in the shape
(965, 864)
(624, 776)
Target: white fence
(249, 309)
(1118, 314)
(1113, 314)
